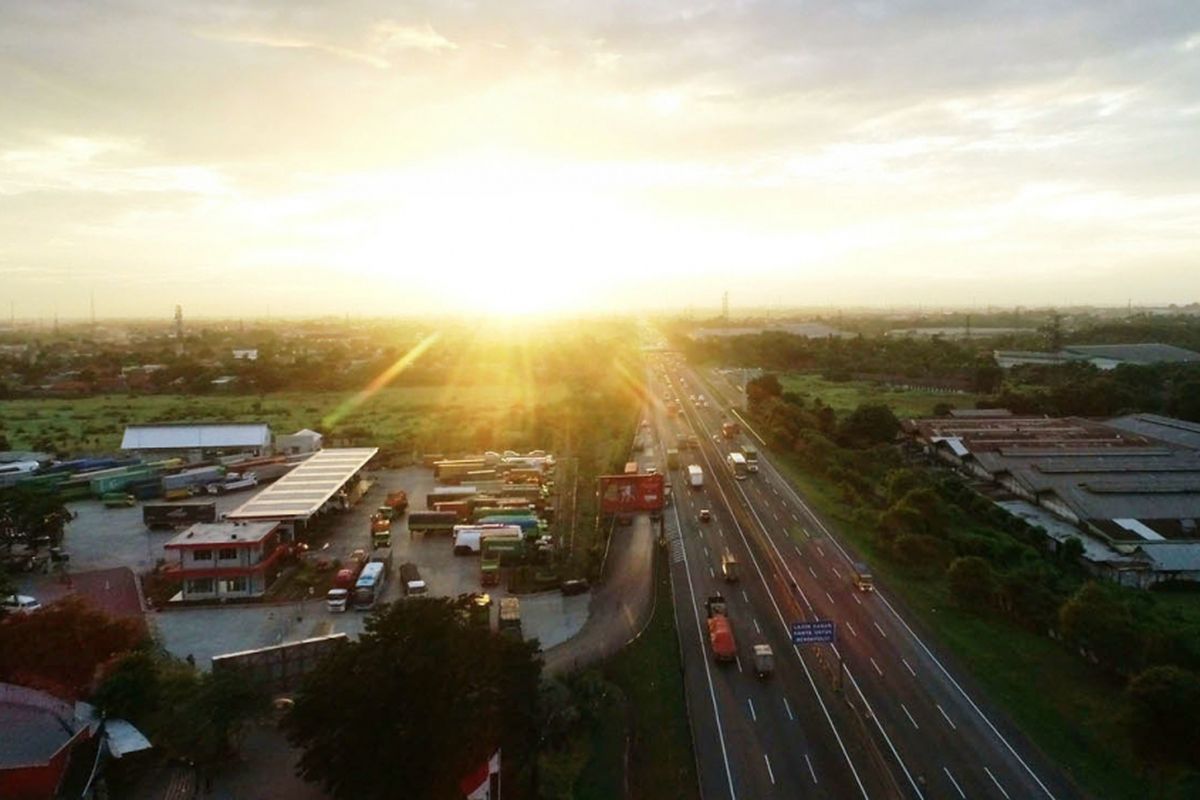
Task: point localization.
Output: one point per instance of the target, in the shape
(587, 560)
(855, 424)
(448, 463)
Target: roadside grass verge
(1065, 707)
(649, 674)
(845, 396)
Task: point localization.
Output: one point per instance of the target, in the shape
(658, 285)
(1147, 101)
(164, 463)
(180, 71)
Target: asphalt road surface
(899, 721)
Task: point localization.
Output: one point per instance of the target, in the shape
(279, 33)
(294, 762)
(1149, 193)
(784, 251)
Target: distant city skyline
(425, 158)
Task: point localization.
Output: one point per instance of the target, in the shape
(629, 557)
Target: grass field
(419, 418)
(649, 674)
(1064, 706)
(848, 395)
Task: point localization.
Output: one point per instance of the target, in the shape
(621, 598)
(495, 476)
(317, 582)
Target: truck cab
(729, 567)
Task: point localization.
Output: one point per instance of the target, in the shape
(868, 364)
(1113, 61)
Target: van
(20, 604)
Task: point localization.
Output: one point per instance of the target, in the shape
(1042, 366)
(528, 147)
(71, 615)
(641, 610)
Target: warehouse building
(197, 441)
(1131, 498)
(1101, 356)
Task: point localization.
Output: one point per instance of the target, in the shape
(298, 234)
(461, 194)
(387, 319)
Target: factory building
(197, 441)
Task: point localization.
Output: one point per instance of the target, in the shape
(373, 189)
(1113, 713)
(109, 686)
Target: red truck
(730, 429)
(336, 598)
(720, 631)
(397, 502)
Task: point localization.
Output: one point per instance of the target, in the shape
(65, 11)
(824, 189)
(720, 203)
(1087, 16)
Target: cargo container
(410, 579)
(468, 539)
(720, 630)
(510, 616)
(177, 515)
(432, 522)
(448, 494)
(193, 478)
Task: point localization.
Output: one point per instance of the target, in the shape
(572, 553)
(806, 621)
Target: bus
(368, 589)
(737, 465)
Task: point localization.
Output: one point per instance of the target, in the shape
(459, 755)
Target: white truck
(468, 539)
(695, 476)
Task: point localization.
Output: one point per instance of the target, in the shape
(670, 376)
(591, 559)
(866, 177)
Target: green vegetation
(844, 396)
(985, 584)
(644, 717)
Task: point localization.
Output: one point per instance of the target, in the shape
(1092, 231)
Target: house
(227, 560)
(302, 441)
(245, 354)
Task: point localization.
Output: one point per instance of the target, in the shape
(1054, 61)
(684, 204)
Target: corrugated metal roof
(1175, 431)
(302, 492)
(1148, 353)
(189, 436)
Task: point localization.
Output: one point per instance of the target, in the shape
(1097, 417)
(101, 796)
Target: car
(21, 604)
(574, 586)
(705, 515)
(651, 470)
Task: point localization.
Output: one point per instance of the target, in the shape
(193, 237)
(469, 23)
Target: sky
(286, 157)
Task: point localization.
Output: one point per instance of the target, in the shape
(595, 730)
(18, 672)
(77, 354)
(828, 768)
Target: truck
(410, 579)
(381, 531)
(751, 456)
(118, 500)
(695, 476)
(448, 494)
(234, 482)
(432, 522)
(177, 515)
(730, 429)
(729, 567)
(764, 660)
(510, 616)
(861, 577)
(337, 599)
(720, 630)
(397, 501)
(468, 539)
(455, 471)
(672, 458)
(737, 465)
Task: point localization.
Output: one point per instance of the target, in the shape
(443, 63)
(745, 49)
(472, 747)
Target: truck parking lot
(101, 538)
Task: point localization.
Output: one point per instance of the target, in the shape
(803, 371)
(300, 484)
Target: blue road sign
(818, 631)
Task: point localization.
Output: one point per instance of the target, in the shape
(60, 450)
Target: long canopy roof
(302, 492)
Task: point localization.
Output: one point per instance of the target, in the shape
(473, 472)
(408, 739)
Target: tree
(1096, 619)
(972, 582)
(29, 517)
(870, 423)
(761, 388)
(1161, 708)
(60, 647)
(449, 695)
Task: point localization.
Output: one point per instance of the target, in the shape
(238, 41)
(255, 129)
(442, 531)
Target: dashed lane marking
(958, 788)
(909, 667)
(998, 786)
(949, 721)
(910, 716)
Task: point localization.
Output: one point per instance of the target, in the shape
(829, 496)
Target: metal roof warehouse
(304, 491)
(197, 436)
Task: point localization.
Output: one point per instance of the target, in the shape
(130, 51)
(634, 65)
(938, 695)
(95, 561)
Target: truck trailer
(720, 630)
(695, 476)
(177, 515)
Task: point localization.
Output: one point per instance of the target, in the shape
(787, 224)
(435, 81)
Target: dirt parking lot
(100, 538)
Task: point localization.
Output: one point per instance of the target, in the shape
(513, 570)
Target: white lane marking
(776, 516)
(947, 716)
(909, 667)
(851, 627)
(738, 659)
(753, 716)
(707, 554)
(855, 596)
(881, 631)
(799, 552)
(795, 517)
(701, 532)
(756, 628)
(811, 771)
(770, 772)
(813, 571)
(745, 596)
(712, 574)
(836, 572)
(910, 716)
(712, 692)
(1007, 745)
(821, 551)
(876, 666)
(998, 786)
(796, 649)
(788, 709)
(961, 793)
(805, 532)
(827, 594)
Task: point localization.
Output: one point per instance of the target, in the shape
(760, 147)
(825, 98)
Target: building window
(235, 585)
(227, 553)
(202, 555)
(200, 586)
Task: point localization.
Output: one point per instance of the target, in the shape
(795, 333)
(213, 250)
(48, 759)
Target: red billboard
(626, 494)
